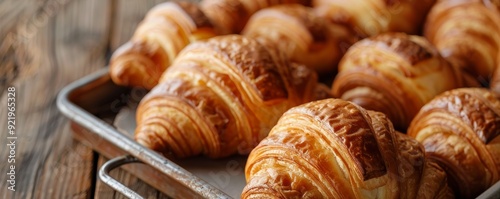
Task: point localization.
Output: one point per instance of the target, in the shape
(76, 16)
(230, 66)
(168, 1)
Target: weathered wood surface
(44, 46)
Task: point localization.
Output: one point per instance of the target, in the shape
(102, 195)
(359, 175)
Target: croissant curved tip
(132, 65)
(155, 145)
(146, 142)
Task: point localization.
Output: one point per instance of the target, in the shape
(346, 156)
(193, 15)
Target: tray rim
(106, 131)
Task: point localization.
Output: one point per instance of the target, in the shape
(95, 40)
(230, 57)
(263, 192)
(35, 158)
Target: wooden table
(47, 45)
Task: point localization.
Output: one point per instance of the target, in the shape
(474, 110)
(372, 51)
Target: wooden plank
(62, 41)
(69, 175)
(14, 14)
(19, 22)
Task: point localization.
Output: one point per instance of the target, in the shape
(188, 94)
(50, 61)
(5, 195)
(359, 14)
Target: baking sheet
(225, 174)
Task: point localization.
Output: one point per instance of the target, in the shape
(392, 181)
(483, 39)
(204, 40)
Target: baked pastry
(221, 97)
(301, 34)
(373, 17)
(467, 34)
(335, 149)
(230, 16)
(460, 130)
(394, 73)
(495, 82)
(165, 31)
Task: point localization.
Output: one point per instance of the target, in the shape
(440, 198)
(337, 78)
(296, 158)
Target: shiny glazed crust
(230, 16)
(467, 34)
(394, 73)
(372, 17)
(221, 97)
(165, 31)
(460, 129)
(335, 149)
(299, 32)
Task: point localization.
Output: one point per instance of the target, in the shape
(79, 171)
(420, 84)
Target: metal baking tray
(102, 116)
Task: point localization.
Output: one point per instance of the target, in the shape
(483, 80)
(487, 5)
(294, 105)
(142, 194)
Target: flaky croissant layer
(373, 17)
(335, 149)
(394, 73)
(467, 34)
(221, 97)
(460, 129)
(302, 34)
(169, 27)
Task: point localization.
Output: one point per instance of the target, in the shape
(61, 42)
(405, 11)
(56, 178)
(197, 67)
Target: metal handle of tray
(110, 181)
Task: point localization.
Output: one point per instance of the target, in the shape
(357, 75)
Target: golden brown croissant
(460, 129)
(335, 149)
(230, 16)
(467, 34)
(166, 30)
(221, 97)
(301, 34)
(394, 73)
(372, 17)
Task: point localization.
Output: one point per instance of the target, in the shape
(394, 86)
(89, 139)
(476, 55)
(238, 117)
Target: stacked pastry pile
(243, 77)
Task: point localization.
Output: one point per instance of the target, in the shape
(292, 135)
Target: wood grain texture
(48, 163)
(45, 46)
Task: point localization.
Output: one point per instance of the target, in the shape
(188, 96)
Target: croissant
(460, 130)
(373, 17)
(467, 34)
(301, 34)
(230, 16)
(166, 30)
(394, 73)
(335, 149)
(221, 97)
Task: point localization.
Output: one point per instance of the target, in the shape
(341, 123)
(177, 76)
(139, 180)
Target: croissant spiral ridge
(221, 97)
(373, 17)
(302, 34)
(460, 129)
(335, 149)
(472, 44)
(394, 73)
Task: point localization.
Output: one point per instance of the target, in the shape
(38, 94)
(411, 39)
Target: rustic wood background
(47, 44)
